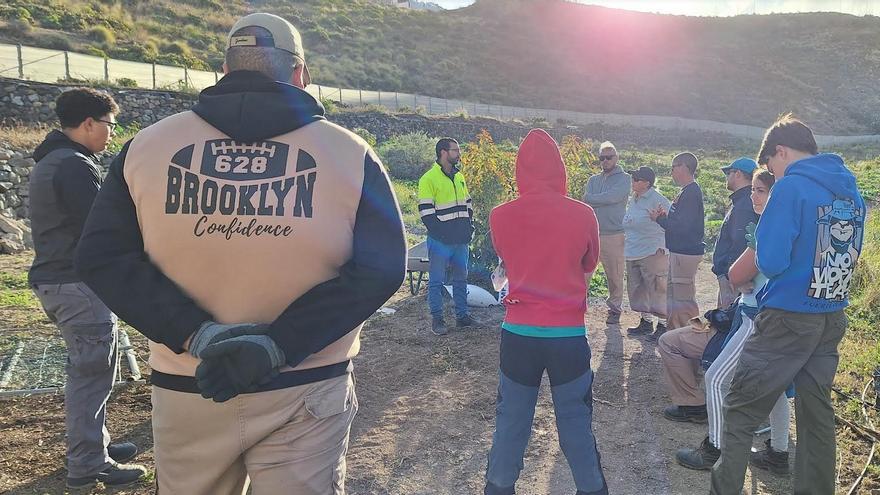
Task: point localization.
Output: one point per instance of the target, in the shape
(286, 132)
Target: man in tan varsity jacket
(248, 239)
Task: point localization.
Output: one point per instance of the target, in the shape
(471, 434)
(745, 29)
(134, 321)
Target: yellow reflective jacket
(445, 206)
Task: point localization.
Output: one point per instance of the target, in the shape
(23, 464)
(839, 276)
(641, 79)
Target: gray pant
(89, 330)
(786, 347)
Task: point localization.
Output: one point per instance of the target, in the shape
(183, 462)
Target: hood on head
(827, 170)
(539, 165)
(57, 140)
(249, 106)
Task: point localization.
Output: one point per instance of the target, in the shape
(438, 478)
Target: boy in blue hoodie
(808, 242)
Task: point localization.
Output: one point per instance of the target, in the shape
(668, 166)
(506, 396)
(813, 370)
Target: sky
(722, 7)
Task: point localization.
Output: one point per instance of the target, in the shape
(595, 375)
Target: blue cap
(842, 209)
(747, 165)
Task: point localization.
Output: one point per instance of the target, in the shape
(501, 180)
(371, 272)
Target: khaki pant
(681, 293)
(611, 256)
(786, 347)
(726, 293)
(680, 353)
(646, 283)
(288, 441)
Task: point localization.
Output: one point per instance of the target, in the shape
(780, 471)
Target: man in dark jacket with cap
(731, 240)
(63, 186)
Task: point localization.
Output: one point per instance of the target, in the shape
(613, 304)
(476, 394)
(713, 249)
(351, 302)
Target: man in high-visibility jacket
(446, 210)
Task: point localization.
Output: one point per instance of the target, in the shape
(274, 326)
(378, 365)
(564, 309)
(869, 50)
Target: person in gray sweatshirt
(607, 192)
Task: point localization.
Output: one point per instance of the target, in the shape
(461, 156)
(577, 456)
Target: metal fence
(40, 64)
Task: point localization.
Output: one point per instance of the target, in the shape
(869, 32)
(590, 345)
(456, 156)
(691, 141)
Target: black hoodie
(62, 187)
(245, 106)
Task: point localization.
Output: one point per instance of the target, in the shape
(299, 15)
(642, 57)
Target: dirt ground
(427, 415)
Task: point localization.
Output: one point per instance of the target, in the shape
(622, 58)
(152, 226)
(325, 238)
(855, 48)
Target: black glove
(238, 365)
(211, 332)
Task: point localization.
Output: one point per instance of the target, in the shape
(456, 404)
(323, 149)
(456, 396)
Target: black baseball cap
(643, 173)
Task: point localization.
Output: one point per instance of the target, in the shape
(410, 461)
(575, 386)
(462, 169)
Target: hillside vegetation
(538, 53)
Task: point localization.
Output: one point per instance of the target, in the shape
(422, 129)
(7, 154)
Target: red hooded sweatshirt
(548, 242)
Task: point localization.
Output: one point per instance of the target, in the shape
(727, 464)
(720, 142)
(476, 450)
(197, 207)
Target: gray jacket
(607, 194)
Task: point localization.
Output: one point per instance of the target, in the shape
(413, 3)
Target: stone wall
(33, 103)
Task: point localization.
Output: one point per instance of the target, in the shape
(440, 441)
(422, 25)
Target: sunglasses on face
(603, 158)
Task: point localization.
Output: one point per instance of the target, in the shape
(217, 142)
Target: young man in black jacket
(63, 186)
(248, 239)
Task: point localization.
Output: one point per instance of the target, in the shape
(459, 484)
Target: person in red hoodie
(547, 242)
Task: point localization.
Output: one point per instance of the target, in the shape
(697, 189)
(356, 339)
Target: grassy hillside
(542, 53)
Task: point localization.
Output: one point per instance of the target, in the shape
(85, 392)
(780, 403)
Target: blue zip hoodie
(810, 236)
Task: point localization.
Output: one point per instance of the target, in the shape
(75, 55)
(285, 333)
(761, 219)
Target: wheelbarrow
(417, 266)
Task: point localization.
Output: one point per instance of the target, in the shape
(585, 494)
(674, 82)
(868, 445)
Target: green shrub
(126, 82)
(24, 14)
(329, 106)
(102, 34)
(408, 156)
(366, 135)
(94, 50)
(57, 41)
(177, 48)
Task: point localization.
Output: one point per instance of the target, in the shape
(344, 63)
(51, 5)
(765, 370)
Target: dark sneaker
(119, 452)
(115, 475)
(770, 459)
(613, 318)
(467, 321)
(683, 414)
(661, 329)
(438, 326)
(642, 328)
(701, 458)
(122, 452)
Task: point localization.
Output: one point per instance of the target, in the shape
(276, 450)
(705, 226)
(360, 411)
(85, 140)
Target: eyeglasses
(110, 124)
(603, 158)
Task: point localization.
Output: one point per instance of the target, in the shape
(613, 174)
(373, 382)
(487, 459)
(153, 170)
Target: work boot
(613, 318)
(658, 332)
(770, 459)
(438, 326)
(114, 475)
(642, 328)
(683, 414)
(701, 458)
(120, 452)
(467, 321)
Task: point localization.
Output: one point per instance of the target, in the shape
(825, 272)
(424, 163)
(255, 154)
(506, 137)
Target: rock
(5, 187)
(16, 100)
(15, 179)
(5, 154)
(33, 97)
(10, 226)
(11, 246)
